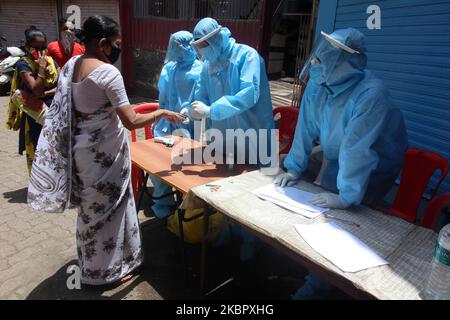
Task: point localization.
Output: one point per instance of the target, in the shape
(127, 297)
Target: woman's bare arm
(132, 120)
(37, 86)
(50, 92)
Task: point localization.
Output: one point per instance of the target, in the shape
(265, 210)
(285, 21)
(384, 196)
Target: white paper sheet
(290, 198)
(340, 247)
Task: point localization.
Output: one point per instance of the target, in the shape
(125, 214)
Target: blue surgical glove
(200, 110)
(287, 179)
(328, 200)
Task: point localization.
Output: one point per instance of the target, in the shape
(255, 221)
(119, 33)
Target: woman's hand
(172, 117)
(50, 92)
(42, 62)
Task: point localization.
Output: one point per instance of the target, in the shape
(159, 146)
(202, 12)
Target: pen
(328, 216)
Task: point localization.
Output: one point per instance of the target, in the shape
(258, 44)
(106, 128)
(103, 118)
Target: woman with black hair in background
(83, 157)
(36, 78)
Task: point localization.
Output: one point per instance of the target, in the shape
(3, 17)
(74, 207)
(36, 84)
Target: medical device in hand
(166, 141)
(186, 119)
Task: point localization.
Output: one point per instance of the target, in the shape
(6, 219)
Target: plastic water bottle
(438, 286)
(230, 161)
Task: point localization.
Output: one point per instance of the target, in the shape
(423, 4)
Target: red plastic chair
(288, 123)
(434, 209)
(136, 178)
(145, 108)
(418, 168)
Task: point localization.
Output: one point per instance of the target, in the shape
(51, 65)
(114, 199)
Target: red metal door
(148, 24)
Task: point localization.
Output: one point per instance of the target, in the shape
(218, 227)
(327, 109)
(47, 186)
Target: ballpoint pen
(328, 216)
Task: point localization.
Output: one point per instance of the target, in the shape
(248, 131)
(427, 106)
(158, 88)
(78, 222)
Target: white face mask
(209, 54)
(67, 38)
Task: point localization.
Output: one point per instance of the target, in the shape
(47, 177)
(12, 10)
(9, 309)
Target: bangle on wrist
(41, 76)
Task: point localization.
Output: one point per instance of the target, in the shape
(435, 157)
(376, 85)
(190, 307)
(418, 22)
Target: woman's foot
(125, 279)
(116, 283)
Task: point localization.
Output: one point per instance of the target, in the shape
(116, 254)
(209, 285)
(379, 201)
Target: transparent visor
(202, 42)
(325, 50)
(313, 59)
(174, 52)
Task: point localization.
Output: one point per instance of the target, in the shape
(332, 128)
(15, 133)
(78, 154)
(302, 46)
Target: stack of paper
(290, 198)
(340, 247)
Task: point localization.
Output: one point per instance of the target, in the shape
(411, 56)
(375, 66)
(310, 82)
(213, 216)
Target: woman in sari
(36, 77)
(83, 157)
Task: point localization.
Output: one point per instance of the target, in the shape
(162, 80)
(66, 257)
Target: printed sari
(84, 162)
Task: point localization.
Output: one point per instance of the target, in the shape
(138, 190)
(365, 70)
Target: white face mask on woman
(67, 38)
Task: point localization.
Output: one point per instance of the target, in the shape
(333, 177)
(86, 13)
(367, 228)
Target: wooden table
(156, 159)
(407, 247)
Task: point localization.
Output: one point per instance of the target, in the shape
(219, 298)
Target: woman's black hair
(32, 33)
(98, 27)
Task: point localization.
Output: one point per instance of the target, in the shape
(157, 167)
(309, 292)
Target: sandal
(119, 282)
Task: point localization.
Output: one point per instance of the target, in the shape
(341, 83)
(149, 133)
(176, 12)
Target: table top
(408, 248)
(158, 160)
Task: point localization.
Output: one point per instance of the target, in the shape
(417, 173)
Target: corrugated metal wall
(154, 34)
(16, 16)
(411, 53)
(89, 8)
(153, 21)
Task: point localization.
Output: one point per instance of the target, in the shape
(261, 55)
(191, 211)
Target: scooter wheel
(5, 88)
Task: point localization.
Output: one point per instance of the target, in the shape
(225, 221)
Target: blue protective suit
(177, 81)
(349, 110)
(176, 91)
(233, 83)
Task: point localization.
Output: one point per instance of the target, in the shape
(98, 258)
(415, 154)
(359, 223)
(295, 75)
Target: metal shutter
(16, 16)
(411, 53)
(89, 8)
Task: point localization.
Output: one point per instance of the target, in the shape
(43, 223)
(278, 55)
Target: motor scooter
(9, 56)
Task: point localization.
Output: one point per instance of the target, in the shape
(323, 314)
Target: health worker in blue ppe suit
(233, 93)
(363, 136)
(349, 110)
(176, 86)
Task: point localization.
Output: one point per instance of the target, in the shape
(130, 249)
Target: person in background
(176, 85)
(36, 78)
(363, 136)
(233, 93)
(83, 157)
(66, 47)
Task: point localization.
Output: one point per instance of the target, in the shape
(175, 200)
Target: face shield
(202, 46)
(323, 59)
(179, 48)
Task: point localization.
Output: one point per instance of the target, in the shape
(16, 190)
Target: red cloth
(56, 51)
